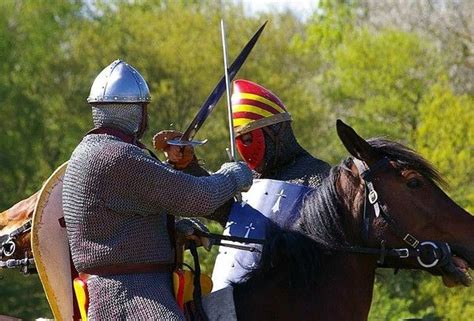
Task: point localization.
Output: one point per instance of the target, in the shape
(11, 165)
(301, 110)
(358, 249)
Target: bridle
(429, 254)
(8, 248)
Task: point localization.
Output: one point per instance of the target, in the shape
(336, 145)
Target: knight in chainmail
(282, 168)
(265, 139)
(116, 198)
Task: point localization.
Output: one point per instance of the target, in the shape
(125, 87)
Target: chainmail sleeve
(152, 187)
(221, 214)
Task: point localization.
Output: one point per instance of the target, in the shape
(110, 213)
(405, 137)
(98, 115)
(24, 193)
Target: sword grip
(238, 196)
(229, 155)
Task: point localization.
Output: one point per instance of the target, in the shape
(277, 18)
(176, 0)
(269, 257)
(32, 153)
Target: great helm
(119, 83)
(253, 108)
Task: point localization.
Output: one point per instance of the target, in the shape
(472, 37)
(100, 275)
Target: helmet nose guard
(119, 82)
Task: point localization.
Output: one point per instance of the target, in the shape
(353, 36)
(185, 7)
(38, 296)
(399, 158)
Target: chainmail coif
(126, 117)
(286, 160)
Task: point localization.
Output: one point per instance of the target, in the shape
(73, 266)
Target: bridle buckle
(411, 240)
(373, 196)
(403, 253)
(8, 248)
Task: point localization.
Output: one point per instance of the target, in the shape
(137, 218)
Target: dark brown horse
(382, 204)
(15, 227)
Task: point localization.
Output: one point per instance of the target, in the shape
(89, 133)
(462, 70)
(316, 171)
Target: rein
(218, 238)
(8, 248)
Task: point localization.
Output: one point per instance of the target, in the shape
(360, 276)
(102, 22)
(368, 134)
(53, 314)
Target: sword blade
(231, 151)
(208, 106)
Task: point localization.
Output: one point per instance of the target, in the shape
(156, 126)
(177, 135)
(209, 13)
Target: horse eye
(414, 183)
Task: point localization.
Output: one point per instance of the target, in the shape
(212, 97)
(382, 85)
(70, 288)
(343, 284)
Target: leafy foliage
(384, 79)
(445, 136)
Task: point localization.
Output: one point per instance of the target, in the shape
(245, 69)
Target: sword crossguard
(177, 142)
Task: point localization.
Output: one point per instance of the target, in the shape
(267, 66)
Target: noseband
(429, 254)
(8, 248)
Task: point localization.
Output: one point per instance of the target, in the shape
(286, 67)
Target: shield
(267, 205)
(50, 247)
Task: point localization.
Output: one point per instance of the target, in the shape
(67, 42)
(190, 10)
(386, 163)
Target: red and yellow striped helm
(255, 107)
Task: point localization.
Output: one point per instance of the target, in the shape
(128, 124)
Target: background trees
(409, 79)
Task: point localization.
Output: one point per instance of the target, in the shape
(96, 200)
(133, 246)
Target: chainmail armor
(114, 199)
(286, 160)
(145, 296)
(126, 117)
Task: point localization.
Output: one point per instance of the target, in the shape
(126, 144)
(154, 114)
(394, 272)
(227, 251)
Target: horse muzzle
(456, 272)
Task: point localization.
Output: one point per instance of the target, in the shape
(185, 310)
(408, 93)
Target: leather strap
(130, 139)
(127, 269)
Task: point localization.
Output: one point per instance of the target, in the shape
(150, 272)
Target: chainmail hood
(286, 160)
(281, 147)
(126, 117)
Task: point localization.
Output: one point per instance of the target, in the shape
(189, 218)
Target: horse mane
(289, 257)
(296, 255)
(407, 158)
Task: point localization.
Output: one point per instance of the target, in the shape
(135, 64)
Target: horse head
(15, 227)
(397, 202)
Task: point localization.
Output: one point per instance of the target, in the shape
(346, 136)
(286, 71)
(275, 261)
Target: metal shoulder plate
(268, 203)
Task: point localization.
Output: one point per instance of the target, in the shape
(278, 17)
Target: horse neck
(346, 278)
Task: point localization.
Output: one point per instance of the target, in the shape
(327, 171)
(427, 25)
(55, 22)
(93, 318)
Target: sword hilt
(238, 196)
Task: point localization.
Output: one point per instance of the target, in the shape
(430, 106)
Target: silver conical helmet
(119, 83)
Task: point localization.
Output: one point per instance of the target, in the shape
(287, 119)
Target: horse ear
(355, 145)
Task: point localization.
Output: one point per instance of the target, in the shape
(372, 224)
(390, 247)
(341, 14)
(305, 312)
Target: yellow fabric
(81, 295)
(206, 284)
(237, 96)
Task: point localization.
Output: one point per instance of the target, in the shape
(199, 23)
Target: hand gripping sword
(208, 106)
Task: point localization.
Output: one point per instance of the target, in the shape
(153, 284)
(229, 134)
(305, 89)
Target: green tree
(22, 296)
(31, 100)
(446, 137)
(380, 79)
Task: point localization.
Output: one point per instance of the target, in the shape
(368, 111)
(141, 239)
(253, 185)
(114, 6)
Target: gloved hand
(178, 156)
(193, 229)
(240, 172)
